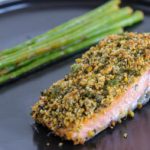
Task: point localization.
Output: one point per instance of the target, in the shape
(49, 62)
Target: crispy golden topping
(125, 135)
(103, 72)
(131, 114)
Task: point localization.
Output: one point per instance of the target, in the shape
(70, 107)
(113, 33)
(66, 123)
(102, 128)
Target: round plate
(21, 21)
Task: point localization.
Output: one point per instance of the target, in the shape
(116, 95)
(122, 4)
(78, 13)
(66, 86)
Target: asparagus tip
(140, 14)
(129, 9)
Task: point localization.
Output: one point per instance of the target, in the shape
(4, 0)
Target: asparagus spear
(137, 16)
(55, 55)
(129, 21)
(125, 22)
(28, 54)
(81, 25)
(49, 37)
(106, 8)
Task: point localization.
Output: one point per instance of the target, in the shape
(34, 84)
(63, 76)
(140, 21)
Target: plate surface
(17, 130)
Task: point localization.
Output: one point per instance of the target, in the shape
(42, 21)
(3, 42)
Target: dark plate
(17, 130)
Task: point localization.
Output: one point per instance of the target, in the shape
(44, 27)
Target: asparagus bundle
(70, 25)
(65, 39)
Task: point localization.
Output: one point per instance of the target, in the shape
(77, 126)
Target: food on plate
(106, 84)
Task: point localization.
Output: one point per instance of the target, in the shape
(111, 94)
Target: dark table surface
(17, 130)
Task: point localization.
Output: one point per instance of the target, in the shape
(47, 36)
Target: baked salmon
(106, 84)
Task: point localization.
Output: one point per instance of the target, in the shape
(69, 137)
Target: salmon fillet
(104, 85)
